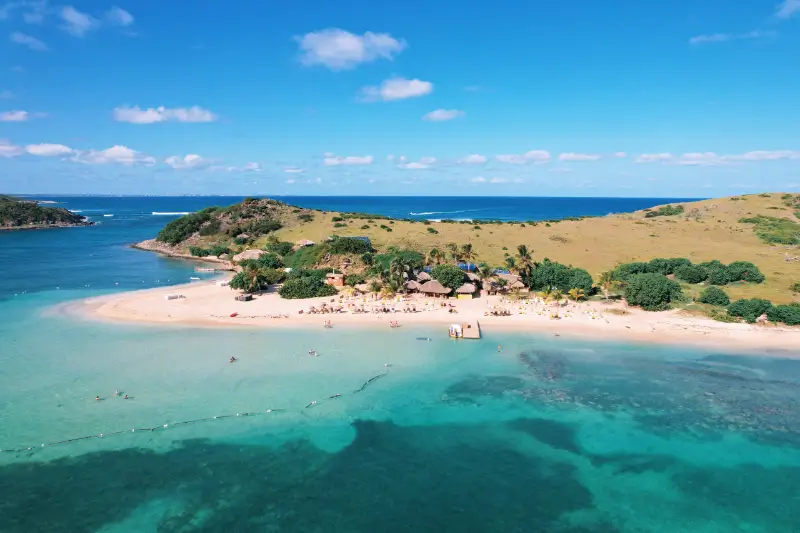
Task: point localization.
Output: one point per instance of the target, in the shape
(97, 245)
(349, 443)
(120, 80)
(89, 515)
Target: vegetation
(691, 273)
(749, 310)
(714, 296)
(775, 230)
(665, 211)
(178, 230)
(652, 292)
(16, 213)
(215, 250)
(552, 275)
(280, 248)
(450, 276)
(306, 287)
(250, 279)
(349, 245)
(788, 314)
(795, 287)
(354, 279)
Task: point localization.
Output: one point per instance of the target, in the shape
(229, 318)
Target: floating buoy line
(163, 427)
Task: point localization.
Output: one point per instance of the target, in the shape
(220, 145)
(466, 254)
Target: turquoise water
(548, 434)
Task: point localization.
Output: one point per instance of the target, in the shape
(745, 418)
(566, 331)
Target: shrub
(365, 226)
(305, 287)
(262, 227)
(550, 274)
(691, 274)
(340, 225)
(337, 219)
(788, 314)
(774, 230)
(270, 261)
(273, 276)
(354, 279)
(749, 310)
(652, 292)
(718, 276)
(432, 231)
(367, 258)
(305, 217)
(349, 245)
(626, 270)
(448, 275)
(249, 280)
(180, 229)
(211, 228)
(744, 271)
(280, 248)
(665, 211)
(306, 256)
(197, 251)
(714, 296)
(795, 287)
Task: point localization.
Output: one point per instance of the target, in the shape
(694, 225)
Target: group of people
(394, 324)
(116, 393)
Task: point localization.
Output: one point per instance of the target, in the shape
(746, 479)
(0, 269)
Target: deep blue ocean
(382, 432)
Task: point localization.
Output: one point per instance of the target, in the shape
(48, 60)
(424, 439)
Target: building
(337, 280)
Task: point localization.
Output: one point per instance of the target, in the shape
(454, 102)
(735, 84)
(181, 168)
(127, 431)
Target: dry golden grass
(706, 230)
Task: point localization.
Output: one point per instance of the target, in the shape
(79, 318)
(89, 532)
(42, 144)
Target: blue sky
(681, 98)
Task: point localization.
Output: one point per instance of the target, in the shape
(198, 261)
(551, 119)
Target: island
(722, 271)
(18, 214)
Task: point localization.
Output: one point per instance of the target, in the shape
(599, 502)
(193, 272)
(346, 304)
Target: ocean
(381, 432)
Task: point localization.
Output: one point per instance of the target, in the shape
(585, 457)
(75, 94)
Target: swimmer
(125, 397)
(116, 392)
(97, 398)
(232, 360)
(499, 348)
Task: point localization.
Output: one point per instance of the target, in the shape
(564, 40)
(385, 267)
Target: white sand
(208, 305)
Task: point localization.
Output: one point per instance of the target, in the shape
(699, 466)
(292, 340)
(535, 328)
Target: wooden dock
(466, 330)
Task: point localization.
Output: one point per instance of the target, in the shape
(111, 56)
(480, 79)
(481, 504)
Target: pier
(466, 330)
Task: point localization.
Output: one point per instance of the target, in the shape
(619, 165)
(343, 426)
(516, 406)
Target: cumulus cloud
(118, 17)
(48, 150)
(578, 157)
(440, 115)
(423, 163)
(77, 23)
(714, 159)
(723, 37)
(788, 9)
(31, 42)
(473, 159)
(293, 170)
(338, 49)
(115, 155)
(136, 115)
(188, 161)
(620, 155)
(533, 156)
(14, 116)
(396, 89)
(654, 158)
(9, 150)
(331, 160)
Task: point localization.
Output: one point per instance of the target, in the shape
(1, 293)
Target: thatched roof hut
(434, 287)
(423, 276)
(248, 254)
(411, 285)
(472, 276)
(467, 288)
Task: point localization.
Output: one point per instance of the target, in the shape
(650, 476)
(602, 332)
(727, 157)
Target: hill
(762, 229)
(23, 214)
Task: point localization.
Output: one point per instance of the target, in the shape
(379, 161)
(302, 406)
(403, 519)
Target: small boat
(194, 277)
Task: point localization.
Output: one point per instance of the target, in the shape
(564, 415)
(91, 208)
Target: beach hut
(473, 276)
(434, 288)
(466, 291)
(337, 280)
(411, 285)
(248, 254)
(423, 276)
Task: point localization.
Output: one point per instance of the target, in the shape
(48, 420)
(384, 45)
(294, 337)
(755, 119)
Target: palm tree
(468, 254)
(435, 256)
(511, 265)
(576, 294)
(251, 279)
(398, 271)
(525, 261)
(607, 283)
(557, 295)
(485, 272)
(452, 248)
(375, 286)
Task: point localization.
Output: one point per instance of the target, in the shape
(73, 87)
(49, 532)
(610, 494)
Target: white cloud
(723, 37)
(498, 180)
(135, 115)
(331, 160)
(14, 116)
(533, 156)
(578, 157)
(767, 155)
(48, 150)
(5, 95)
(440, 115)
(290, 181)
(561, 170)
(338, 49)
(9, 150)
(119, 17)
(77, 23)
(478, 179)
(654, 158)
(473, 159)
(620, 155)
(293, 170)
(188, 161)
(788, 8)
(31, 42)
(396, 89)
(116, 154)
(423, 163)
(698, 159)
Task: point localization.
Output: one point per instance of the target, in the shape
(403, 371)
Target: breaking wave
(425, 213)
(167, 213)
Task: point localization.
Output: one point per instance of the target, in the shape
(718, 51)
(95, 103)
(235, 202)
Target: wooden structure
(337, 280)
(244, 297)
(467, 330)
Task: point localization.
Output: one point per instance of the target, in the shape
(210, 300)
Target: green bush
(305, 217)
(749, 310)
(795, 287)
(340, 225)
(666, 266)
(270, 261)
(714, 296)
(448, 275)
(788, 314)
(406, 256)
(307, 256)
(348, 245)
(718, 276)
(211, 228)
(365, 226)
(197, 251)
(432, 231)
(691, 274)
(774, 230)
(316, 273)
(354, 279)
(665, 211)
(367, 259)
(180, 229)
(744, 271)
(262, 227)
(337, 219)
(550, 274)
(305, 287)
(652, 292)
(626, 270)
(280, 248)
(273, 276)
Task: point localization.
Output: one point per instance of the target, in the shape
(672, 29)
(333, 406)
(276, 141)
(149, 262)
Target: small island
(16, 214)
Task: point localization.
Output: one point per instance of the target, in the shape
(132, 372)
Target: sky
(687, 98)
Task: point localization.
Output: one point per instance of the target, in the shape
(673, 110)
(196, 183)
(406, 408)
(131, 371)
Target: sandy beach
(207, 304)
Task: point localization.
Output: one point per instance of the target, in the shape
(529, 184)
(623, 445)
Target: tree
(552, 274)
(399, 271)
(525, 261)
(652, 292)
(744, 271)
(624, 271)
(251, 279)
(452, 249)
(788, 314)
(691, 273)
(448, 275)
(375, 286)
(485, 273)
(714, 296)
(607, 283)
(576, 294)
(749, 310)
(467, 253)
(435, 256)
(557, 295)
(306, 287)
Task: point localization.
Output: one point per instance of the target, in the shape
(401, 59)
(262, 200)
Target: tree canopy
(652, 292)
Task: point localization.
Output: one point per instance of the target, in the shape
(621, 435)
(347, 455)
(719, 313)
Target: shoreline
(151, 245)
(30, 227)
(207, 305)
